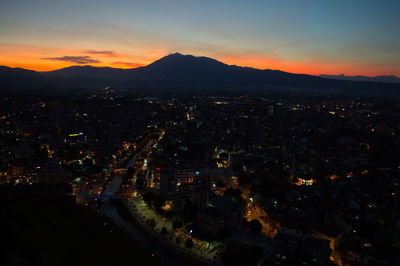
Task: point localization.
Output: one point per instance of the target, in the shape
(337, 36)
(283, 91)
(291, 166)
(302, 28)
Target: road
(253, 211)
(143, 214)
(111, 212)
(114, 185)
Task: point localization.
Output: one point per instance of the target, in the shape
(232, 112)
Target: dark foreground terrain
(42, 226)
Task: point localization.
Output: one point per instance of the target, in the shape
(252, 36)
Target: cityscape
(183, 159)
(218, 179)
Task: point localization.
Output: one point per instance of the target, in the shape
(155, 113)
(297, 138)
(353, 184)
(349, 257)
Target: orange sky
(310, 37)
(35, 58)
(315, 67)
(50, 58)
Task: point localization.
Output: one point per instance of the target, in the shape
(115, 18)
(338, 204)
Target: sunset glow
(312, 40)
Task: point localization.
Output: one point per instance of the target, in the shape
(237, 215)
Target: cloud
(128, 64)
(104, 52)
(75, 59)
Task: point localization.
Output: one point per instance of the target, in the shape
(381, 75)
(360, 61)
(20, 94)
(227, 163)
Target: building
(53, 173)
(184, 178)
(223, 215)
(201, 195)
(286, 245)
(167, 181)
(172, 181)
(328, 230)
(218, 174)
(315, 251)
(210, 222)
(270, 110)
(76, 138)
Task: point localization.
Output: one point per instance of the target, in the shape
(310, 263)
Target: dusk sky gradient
(358, 37)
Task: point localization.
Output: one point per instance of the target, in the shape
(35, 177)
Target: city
(219, 179)
(206, 133)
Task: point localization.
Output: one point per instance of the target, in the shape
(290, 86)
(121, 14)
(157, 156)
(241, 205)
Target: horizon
(188, 132)
(309, 37)
(90, 65)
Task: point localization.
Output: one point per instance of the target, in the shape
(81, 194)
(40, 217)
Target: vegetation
(148, 197)
(42, 226)
(164, 231)
(139, 183)
(189, 211)
(235, 254)
(176, 224)
(255, 226)
(189, 243)
(236, 194)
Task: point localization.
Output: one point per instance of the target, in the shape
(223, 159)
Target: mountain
(183, 67)
(8, 74)
(171, 67)
(185, 72)
(383, 78)
(89, 72)
(15, 78)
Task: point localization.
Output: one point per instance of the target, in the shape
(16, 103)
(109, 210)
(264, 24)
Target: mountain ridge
(187, 71)
(378, 78)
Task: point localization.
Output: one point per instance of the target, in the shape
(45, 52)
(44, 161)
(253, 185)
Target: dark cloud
(105, 52)
(75, 59)
(127, 64)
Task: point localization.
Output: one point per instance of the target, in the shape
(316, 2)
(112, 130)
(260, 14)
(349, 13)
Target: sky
(358, 37)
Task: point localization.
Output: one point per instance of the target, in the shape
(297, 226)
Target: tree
(164, 231)
(176, 224)
(189, 211)
(158, 202)
(236, 254)
(139, 183)
(152, 223)
(255, 226)
(178, 240)
(236, 194)
(189, 243)
(148, 197)
(229, 256)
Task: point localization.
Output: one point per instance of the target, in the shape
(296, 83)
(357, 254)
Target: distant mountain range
(383, 78)
(185, 72)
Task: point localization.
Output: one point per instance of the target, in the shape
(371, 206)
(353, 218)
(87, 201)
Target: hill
(187, 72)
(383, 78)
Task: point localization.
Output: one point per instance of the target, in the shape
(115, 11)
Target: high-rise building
(184, 176)
(171, 180)
(201, 191)
(168, 184)
(270, 110)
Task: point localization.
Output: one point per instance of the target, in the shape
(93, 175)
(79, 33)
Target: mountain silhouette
(382, 78)
(18, 78)
(8, 74)
(187, 72)
(90, 72)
